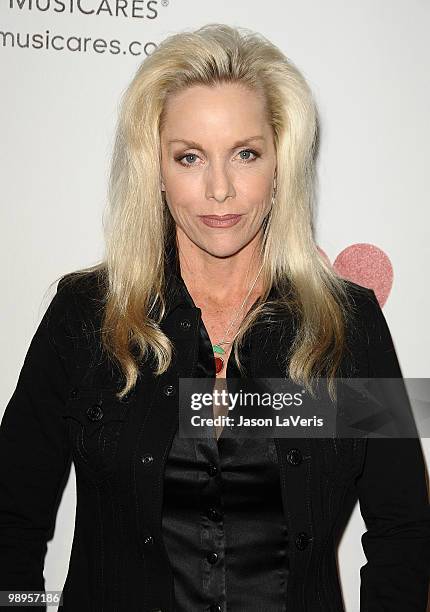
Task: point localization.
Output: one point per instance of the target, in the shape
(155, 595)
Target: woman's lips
(220, 220)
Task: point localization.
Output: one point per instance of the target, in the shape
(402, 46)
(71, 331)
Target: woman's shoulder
(364, 310)
(370, 332)
(84, 284)
(85, 288)
(363, 298)
(80, 297)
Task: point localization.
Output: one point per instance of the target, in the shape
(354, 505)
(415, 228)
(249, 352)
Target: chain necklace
(217, 348)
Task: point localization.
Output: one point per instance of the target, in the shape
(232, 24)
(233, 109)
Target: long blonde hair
(138, 220)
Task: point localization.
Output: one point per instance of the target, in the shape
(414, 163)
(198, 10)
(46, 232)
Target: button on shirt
(223, 523)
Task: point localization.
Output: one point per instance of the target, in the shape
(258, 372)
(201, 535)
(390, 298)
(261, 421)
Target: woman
(210, 271)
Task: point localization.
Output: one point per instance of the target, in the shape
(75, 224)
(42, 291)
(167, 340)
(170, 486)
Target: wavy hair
(137, 218)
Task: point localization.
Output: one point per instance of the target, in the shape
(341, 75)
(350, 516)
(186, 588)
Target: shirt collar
(176, 290)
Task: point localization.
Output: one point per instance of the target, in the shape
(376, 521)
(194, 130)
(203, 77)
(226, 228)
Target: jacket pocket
(95, 422)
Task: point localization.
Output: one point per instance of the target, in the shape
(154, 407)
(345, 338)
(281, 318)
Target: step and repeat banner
(64, 65)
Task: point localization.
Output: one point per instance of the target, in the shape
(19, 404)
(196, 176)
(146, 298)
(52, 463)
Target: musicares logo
(132, 9)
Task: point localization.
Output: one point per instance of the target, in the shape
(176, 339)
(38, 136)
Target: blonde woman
(210, 271)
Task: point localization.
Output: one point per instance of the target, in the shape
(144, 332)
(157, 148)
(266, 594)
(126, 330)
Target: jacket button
(148, 540)
(294, 456)
(147, 459)
(212, 557)
(212, 469)
(185, 324)
(215, 608)
(213, 514)
(74, 393)
(95, 413)
(302, 540)
(169, 390)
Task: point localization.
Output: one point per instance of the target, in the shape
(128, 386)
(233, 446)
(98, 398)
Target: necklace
(217, 348)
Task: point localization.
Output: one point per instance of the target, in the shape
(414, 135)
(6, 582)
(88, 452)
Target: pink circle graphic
(366, 265)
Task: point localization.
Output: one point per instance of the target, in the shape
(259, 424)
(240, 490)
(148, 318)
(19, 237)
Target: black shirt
(223, 523)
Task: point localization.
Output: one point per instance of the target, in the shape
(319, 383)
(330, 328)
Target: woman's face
(226, 167)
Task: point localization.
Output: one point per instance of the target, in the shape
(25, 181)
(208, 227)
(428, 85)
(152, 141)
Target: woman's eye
(185, 156)
(193, 156)
(248, 151)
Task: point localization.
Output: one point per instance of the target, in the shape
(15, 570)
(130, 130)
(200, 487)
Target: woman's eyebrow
(196, 145)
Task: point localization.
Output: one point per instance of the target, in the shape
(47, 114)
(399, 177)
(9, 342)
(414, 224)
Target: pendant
(219, 361)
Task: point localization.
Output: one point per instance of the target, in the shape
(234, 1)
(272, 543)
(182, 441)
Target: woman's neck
(217, 281)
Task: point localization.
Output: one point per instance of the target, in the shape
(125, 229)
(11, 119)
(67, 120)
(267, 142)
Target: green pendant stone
(218, 349)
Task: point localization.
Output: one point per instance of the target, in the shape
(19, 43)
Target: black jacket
(64, 409)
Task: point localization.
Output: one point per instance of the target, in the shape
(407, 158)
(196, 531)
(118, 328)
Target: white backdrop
(367, 63)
